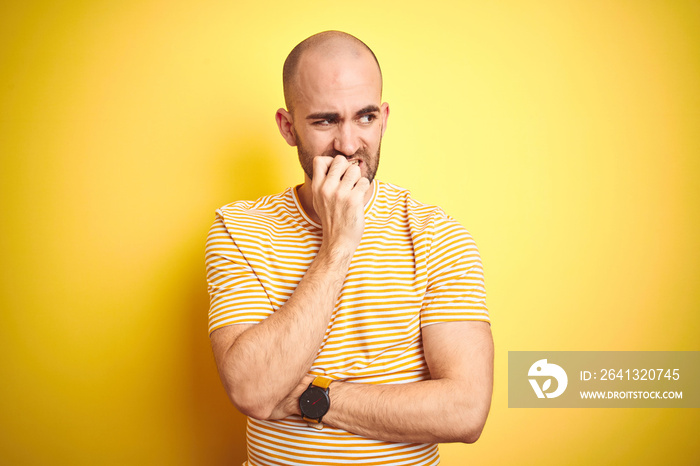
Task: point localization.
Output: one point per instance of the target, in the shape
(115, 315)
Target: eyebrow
(336, 116)
(323, 116)
(367, 109)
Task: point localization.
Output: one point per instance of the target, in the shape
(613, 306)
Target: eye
(322, 123)
(368, 118)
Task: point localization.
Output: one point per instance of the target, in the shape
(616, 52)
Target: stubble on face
(306, 159)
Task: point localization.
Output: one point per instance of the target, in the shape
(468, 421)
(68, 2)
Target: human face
(337, 111)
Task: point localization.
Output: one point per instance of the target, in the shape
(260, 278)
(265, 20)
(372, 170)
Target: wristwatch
(315, 401)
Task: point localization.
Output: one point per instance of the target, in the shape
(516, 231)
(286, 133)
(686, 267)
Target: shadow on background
(249, 170)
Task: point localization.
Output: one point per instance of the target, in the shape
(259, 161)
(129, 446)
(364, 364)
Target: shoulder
(395, 200)
(266, 206)
(429, 225)
(264, 214)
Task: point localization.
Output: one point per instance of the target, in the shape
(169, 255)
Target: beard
(369, 163)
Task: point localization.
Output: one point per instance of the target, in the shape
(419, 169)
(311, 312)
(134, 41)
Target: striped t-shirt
(415, 266)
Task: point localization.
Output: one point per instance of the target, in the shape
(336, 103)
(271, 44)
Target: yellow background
(564, 135)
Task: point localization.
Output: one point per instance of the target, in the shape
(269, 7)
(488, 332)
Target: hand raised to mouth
(339, 190)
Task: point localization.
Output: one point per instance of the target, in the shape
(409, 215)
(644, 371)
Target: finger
(320, 169)
(337, 168)
(362, 185)
(351, 176)
(359, 191)
(321, 165)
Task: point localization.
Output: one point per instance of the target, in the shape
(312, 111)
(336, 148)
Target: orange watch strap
(322, 382)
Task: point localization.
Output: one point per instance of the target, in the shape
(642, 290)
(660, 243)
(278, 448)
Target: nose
(347, 141)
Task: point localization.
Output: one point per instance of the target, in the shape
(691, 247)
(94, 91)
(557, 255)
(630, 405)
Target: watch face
(314, 402)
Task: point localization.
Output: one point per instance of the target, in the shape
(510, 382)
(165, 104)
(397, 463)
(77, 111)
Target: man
(347, 319)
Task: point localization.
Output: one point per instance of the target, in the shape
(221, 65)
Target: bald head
(327, 46)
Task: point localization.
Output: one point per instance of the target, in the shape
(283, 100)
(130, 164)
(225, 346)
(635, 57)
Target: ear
(384, 115)
(284, 123)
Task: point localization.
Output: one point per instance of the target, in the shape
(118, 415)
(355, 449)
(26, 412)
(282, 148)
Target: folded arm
(450, 407)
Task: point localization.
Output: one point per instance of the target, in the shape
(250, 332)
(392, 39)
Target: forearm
(431, 411)
(269, 359)
(451, 407)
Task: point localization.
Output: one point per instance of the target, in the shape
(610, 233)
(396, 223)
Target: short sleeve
(455, 290)
(236, 296)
